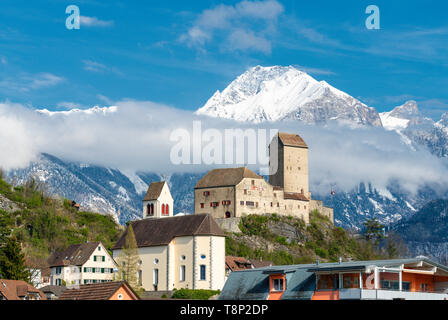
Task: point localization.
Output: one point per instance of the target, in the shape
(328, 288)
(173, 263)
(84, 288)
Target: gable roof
(96, 291)
(160, 232)
(154, 191)
(292, 140)
(75, 255)
(261, 263)
(237, 263)
(18, 289)
(225, 177)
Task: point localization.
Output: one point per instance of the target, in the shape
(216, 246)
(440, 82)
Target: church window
(167, 210)
(202, 205)
(163, 208)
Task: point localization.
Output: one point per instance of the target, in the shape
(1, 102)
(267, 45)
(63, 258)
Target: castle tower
(158, 202)
(288, 163)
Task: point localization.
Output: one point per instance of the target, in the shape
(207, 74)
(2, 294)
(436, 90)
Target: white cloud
(135, 136)
(94, 22)
(315, 71)
(244, 26)
(97, 67)
(28, 82)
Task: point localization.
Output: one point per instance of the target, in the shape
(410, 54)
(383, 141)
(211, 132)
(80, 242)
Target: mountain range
(261, 94)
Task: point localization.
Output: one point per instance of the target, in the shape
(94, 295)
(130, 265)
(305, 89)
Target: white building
(176, 252)
(84, 263)
(158, 202)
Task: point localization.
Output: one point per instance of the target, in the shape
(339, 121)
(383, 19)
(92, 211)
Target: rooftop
(225, 177)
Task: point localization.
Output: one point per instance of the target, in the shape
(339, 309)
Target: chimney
(340, 260)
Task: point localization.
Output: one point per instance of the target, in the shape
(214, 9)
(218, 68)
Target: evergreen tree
(12, 261)
(129, 261)
(373, 230)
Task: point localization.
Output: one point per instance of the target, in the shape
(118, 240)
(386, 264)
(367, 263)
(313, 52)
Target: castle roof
(160, 232)
(292, 140)
(295, 196)
(154, 191)
(225, 177)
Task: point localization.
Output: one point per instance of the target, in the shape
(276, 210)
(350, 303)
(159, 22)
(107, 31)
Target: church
(237, 192)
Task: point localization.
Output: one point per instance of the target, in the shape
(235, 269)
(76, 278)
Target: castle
(237, 192)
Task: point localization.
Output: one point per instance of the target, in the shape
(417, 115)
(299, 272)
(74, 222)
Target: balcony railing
(386, 294)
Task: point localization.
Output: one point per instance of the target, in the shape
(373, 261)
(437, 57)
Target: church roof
(292, 140)
(225, 177)
(160, 232)
(154, 191)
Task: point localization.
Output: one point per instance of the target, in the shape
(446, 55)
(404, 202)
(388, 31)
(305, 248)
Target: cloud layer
(135, 136)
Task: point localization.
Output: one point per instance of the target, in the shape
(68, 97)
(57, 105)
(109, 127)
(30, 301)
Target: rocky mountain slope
(285, 93)
(426, 232)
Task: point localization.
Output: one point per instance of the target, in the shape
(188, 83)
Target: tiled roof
(18, 289)
(56, 290)
(75, 255)
(225, 177)
(292, 140)
(237, 263)
(160, 232)
(295, 196)
(96, 291)
(154, 191)
(261, 263)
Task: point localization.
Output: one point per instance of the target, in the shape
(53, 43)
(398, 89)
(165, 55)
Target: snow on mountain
(399, 118)
(94, 110)
(280, 93)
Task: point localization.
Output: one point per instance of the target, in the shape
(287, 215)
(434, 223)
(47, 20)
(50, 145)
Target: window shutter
(102, 270)
(94, 258)
(104, 258)
(85, 269)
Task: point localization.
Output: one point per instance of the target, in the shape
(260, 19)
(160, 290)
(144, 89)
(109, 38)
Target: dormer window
(278, 285)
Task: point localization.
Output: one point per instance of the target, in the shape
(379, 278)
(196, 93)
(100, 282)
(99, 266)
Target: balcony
(379, 294)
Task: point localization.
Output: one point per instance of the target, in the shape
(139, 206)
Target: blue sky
(179, 53)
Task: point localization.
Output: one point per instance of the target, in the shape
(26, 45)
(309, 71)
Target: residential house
(19, 290)
(101, 291)
(408, 279)
(84, 263)
(178, 252)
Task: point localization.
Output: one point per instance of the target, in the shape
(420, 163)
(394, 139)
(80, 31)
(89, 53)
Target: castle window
(278, 204)
(245, 191)
(272, 204)
(304, 207)
(242, 203)
(250, 203)
(202, 205)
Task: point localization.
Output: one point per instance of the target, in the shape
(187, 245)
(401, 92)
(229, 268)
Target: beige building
(237, 192)
(178, 252)
(84, 263)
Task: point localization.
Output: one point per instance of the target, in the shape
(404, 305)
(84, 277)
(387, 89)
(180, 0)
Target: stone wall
(229, 225)
(323, 210)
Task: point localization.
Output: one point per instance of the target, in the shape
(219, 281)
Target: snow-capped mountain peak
(90, 111)
(286, 93)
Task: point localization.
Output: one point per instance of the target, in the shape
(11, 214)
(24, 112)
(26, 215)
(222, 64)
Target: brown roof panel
(237, 263)
(292, 140)
(295, 196)
(18, 289)
(96, 291)
(75, 255)
(154, 191)
(226, 177)
(160, 232)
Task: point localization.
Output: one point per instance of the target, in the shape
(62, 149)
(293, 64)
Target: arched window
(152, 209)
(167, 210)
(163, 208)
(148, 210)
